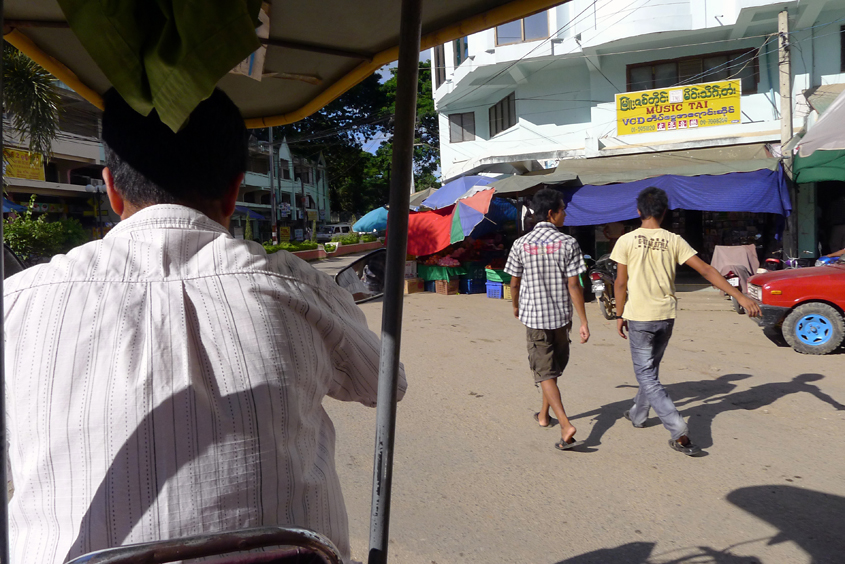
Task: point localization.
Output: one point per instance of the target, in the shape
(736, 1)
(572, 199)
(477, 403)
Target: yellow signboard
(313, 215)
(23, 164)
(682, 107)
(284, 233)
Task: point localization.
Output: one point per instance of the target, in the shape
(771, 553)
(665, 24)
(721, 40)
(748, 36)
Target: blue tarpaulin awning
(11, 206)
(760, 191)
(241, 210)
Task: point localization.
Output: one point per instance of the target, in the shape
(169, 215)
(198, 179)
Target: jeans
(648, 343)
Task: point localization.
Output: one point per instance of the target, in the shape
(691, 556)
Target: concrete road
(477, 481)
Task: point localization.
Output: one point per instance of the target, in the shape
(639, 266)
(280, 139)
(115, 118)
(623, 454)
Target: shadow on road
(810, 519)
(712, 398)
(640, 553)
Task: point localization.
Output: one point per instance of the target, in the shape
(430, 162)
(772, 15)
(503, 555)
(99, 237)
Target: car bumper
(770, 316)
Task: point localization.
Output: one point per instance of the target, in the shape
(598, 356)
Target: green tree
(33, 239)
(30, 99)
(344, 133)
(339, 132)
(427, 131)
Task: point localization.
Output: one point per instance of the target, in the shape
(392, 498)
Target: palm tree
(30, 100)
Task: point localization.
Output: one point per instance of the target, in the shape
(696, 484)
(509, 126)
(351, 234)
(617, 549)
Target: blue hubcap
(814, 330)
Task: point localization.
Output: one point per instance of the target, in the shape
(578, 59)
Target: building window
(461, 48)
(302, 172)
(284, 169)
(462, 127)
(527, 29)
(439, 66)
(732, 65)
(259, 164)
(503, 114)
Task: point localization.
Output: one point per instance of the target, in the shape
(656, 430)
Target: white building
(538, 91)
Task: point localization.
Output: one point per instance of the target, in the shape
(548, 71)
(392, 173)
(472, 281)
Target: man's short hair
(652, 202)
(151, 164)
(545, 201)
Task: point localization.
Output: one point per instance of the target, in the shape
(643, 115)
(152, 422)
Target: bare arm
(712, 275)
(515, 282)
(620, 293)
(836, 254)
(577, 296)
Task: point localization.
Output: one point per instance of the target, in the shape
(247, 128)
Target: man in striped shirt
(168, 380)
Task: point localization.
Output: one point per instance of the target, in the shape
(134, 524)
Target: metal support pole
(4, 480)
(397, 244)
(274, 216)
(302, 202)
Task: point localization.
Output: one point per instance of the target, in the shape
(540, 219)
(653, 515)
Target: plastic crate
(472, 286)
(506, 291)
(430, 286)
(476, 271)
(494, 290)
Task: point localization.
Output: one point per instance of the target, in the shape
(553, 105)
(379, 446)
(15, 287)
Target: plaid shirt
(545, 259)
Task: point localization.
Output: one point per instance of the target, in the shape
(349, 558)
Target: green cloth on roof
(820, 166)
(166, 55)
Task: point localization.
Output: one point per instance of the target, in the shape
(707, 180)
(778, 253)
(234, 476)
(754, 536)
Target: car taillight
(595, 276)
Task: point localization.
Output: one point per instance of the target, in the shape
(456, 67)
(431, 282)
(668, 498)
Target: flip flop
(560, 445)
(552, 421)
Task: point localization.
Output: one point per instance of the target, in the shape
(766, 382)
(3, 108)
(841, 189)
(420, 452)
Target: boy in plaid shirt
(544, 266)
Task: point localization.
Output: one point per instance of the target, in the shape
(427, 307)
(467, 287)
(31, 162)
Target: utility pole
(274, 217)
(785, 86)
(785, 76)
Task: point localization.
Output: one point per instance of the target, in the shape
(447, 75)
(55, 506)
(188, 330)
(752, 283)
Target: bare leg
(551, 398)
(543, 417)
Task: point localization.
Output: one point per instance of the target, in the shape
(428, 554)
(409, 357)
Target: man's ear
(230, 198)
(118, 204)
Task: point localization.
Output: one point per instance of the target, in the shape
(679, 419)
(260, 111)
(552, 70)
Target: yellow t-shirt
(652, 256)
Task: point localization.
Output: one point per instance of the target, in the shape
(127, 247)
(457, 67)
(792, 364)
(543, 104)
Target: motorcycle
(603, 276)
(737, 276)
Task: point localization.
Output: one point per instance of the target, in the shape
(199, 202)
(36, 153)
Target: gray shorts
(548, 351)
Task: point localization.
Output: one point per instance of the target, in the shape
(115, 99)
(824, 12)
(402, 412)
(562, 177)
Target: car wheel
(814, 328)
(737, 308)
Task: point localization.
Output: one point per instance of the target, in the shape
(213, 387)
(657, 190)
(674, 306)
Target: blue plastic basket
(494, 290)
(472, 286)
(430, 286)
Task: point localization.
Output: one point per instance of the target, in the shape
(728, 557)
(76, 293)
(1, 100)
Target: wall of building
(565, 86)
(256, 191)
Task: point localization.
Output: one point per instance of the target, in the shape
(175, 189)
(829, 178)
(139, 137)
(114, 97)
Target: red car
(803, 306)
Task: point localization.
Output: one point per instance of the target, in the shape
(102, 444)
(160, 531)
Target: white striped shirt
(167, 381)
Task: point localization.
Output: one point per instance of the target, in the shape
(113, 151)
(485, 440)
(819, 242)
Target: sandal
(552, 421)
(560, 445)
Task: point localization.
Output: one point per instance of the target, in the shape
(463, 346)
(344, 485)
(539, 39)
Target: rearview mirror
(364, 278)
(11, 263)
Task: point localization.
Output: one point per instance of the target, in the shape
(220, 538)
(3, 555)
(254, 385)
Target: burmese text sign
(682, 107)
(23, 164)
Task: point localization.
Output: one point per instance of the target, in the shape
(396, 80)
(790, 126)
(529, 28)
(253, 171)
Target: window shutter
(469, 126)
(455, 129)
(512, 106)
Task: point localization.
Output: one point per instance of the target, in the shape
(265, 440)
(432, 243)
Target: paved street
(478, 481)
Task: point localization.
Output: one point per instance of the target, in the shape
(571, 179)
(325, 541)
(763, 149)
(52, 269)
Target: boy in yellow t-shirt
(645, 301)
